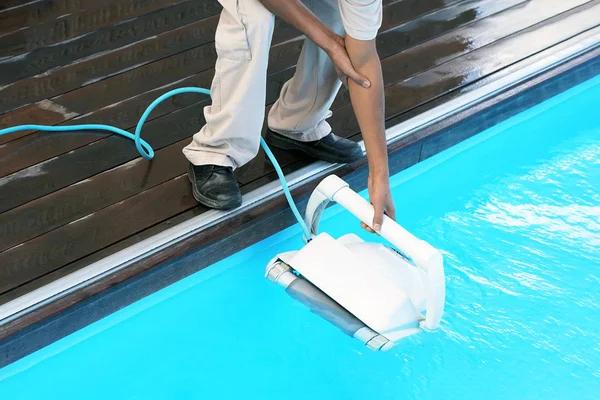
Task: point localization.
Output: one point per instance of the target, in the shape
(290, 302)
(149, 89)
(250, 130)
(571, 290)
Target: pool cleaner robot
(370, 291)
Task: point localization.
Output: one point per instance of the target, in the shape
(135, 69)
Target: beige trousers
(231, 136)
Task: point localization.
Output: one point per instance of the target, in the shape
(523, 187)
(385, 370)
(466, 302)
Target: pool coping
(266, 207)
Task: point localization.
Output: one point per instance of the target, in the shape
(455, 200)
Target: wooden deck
(67, 200)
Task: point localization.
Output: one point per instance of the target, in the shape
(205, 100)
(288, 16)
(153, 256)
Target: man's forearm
(296, 14)
(369, 104)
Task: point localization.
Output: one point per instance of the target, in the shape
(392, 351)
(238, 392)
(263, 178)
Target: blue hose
(146, 150)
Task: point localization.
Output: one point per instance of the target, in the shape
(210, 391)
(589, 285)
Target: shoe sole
(283, 143)
(205, 201)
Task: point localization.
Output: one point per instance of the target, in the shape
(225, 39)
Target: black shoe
(331, 148)
(215, 186)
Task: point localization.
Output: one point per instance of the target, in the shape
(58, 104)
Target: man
(231, 136)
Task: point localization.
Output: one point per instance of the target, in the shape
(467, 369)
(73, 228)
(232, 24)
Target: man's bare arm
(295, 13)
(369, 107)
(357, 60)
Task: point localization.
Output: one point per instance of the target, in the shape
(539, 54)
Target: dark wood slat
(77, 201)
(73, 25)
(472, 36)
(459, 73)
(35, 114)
(70, 242)
(102, 190)
(145, 78)
(419, 31)
(40, 146)
(7, 4)
(45, 58)
(107, 64)
(25, 153)
(92, 159)
(408, 10)
(438, 22)
(41, 11)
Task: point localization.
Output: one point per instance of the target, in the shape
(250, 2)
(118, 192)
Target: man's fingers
(359, 79)
(390, 211)
(367, 228)
(344, 80)
(378, 217)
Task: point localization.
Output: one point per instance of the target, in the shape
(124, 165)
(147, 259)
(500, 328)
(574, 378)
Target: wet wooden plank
(74, 25)
(104, 65)
(94, 158)
(114, 36)
(70, 242)
(82, 198)
(86, 197)
(40, 146)
(40, 11)
(139, 80)
(431, 26)
(438, 22)
(7, 4)
(434, 83)
(475, 35)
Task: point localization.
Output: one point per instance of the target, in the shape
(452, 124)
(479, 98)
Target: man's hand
(343, 66)
(381, 198)
(369, 106)
(353, 60)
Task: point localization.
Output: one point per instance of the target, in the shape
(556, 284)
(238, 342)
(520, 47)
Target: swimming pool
(516, 212)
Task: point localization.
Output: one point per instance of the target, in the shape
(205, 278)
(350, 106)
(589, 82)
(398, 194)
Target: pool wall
(248, 228)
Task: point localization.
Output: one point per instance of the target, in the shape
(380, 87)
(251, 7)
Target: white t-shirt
(362, 18)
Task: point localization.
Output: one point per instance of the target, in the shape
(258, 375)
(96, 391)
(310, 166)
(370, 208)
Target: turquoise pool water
(516, 212)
